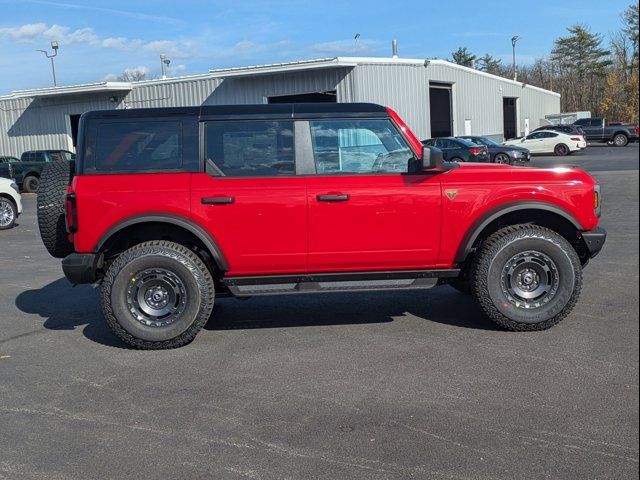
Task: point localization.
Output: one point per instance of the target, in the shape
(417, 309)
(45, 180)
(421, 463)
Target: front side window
(359, 146)
(138, 146)
(250, 149)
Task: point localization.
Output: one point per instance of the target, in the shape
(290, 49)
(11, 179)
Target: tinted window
(596, 122)
(250, 149)
(140, 145)
(359, 146)
(583, 122)
(534, 136)
(37, 157)
(548, 135)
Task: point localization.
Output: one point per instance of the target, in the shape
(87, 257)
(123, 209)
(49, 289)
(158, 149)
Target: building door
(440, 109)
(509, 115)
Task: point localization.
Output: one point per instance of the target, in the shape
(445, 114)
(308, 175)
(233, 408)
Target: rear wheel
(620, 140)
(526, 278)
(30, 184)
(561, 150)
(456, 159)
(8, 213)
(157, 294)
(502, 158)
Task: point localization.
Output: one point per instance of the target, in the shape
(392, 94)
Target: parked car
(568, 129)
(10, 203)
(597, 130)
(498, 153)
(253, 200)
(6, 159)
(546, 141)
(459, 149)
(26, 171)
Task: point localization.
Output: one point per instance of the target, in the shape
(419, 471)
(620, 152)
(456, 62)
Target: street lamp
(54, 47)
(164, 63)
(514, 40)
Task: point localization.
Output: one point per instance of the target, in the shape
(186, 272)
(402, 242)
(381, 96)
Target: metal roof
(254, 70)
(101, 87)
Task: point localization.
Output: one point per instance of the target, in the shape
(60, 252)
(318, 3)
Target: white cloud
(23, 33)
(244, 45)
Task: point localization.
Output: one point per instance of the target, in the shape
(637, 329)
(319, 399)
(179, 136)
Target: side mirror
(432, 158)
(523, 139)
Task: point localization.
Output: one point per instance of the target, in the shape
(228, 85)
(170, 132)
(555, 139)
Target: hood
(507, 173)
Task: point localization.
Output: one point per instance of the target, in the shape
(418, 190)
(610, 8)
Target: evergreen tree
(464, 57)
(488, 64)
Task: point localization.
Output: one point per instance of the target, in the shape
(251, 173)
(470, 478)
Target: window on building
(250, 149)
(359, 146)
(138, 146)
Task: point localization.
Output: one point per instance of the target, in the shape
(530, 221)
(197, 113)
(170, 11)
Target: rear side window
(139, 145)
(250, 149)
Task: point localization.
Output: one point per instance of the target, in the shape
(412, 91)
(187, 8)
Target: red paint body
(277, 225)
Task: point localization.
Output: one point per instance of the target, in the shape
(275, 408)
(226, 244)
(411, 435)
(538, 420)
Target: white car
(10, 203)
(549, 141)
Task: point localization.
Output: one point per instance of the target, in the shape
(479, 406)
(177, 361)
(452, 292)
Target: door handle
(333, 198)
(216, 200)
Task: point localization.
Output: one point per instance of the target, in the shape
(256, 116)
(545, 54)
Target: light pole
(514, 40)
(54, 47)
(164, 63)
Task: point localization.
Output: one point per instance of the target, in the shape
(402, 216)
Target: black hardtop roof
(289, 110)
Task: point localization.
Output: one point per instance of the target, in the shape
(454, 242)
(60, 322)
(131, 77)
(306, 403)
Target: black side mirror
(432, 158)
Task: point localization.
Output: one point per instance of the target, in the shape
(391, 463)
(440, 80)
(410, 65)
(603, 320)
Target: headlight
(597, 200)
(14, 185)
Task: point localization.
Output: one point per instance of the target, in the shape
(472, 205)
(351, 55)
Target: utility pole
(164, 63)
(54, 47)
(514, 40)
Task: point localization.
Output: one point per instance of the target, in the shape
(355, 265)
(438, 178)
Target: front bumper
(594, 240)
(82, 267)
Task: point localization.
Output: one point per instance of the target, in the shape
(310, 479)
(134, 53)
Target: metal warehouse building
(435, 98)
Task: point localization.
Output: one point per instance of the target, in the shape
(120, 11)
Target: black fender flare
(187, 224)
(466, 245)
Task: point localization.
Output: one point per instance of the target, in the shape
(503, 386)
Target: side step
(335, 282)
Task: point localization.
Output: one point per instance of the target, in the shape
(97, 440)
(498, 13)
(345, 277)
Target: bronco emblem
(451, 193)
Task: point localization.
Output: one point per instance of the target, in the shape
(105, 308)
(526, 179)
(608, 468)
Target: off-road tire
(54, 179)
(31, 184)
(181, 261)
(487, 275)
(561, 150)
(620, 140)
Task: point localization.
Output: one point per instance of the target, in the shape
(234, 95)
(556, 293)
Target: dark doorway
(315, 97)
(440, 109)
(74, 121)
(509, 114)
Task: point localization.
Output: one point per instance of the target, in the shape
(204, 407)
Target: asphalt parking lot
(334, 386)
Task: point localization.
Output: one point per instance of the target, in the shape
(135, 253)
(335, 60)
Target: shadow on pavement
(66, 308)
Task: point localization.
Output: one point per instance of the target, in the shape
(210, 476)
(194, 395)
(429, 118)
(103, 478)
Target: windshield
(488, 142)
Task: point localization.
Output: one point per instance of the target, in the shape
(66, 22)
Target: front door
(366, 212)
(249, 198)
(534, 142)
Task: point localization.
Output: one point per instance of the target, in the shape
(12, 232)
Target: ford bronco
(165, 209)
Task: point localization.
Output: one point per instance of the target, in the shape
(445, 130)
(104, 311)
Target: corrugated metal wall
(41, 123)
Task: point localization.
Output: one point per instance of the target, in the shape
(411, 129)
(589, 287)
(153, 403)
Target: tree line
(588, 72)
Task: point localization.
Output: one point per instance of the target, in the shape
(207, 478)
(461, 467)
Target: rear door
(249, 197)
(366, 212)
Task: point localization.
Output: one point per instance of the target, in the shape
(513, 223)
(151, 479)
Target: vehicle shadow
(64, 307)
(441, 305)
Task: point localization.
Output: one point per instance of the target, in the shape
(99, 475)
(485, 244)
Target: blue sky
(100, 39)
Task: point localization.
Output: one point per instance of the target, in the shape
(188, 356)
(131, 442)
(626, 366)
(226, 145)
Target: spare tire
(54, 179)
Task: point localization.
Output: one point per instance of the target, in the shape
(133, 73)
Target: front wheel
(8, 213)
(502, 158)
(30, 184)
(157, 295)
(526, 277)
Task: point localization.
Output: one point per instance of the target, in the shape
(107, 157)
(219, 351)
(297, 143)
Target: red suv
(168, 208)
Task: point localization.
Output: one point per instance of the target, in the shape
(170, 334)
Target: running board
(336, 282)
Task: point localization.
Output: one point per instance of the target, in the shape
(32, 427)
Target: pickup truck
(27, 170)
(597, 130)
